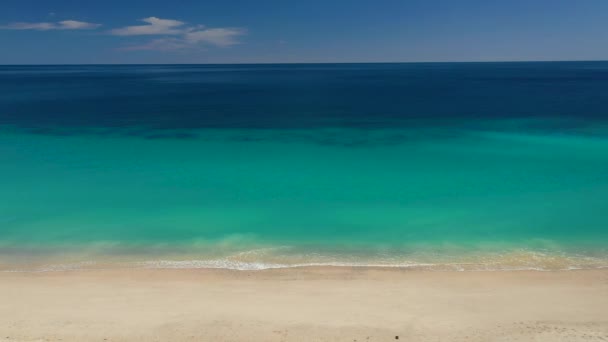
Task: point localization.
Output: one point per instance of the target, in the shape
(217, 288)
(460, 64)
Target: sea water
(466, 166)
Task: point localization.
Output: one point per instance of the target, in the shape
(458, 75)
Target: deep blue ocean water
(439, 165)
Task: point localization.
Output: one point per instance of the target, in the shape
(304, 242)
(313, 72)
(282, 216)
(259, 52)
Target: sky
(304, 31)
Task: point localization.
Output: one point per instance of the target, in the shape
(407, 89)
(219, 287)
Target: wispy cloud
(172, 34)
(179, 35)
(214, 36)
(46, 26)
(77, 25)
(155, 26)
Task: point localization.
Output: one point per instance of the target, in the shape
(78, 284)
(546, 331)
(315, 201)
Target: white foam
(253, 266)
(265, 258)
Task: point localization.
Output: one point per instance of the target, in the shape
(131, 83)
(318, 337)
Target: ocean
(441, 166)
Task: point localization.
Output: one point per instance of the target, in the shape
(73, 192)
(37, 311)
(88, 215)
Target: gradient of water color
(443, 166)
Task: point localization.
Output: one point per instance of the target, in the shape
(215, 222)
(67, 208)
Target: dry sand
(304, 304)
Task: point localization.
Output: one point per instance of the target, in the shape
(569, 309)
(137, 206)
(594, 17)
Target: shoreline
(529, 261)
(282, 257)
(304, 304)
(261, 267)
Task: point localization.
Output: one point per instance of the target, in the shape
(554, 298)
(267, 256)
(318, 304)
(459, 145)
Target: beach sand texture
(304, 304)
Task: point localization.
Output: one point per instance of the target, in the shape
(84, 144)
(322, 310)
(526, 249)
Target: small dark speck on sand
(396, 337)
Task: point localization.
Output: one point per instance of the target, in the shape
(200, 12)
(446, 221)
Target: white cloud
(179, 36)
(30, 26)
(77, 25)
(214, 36)
(156, 26)
(46, 26)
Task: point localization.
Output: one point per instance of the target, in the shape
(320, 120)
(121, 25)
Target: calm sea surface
(443, 165)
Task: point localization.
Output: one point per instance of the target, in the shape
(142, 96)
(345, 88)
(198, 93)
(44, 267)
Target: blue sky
(267, 31)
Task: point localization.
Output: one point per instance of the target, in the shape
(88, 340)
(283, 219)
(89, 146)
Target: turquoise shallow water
(323, 196)
(443, 193)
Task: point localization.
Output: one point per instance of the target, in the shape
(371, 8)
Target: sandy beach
(304, 304)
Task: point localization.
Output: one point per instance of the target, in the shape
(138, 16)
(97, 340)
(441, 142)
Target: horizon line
(300, 63)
